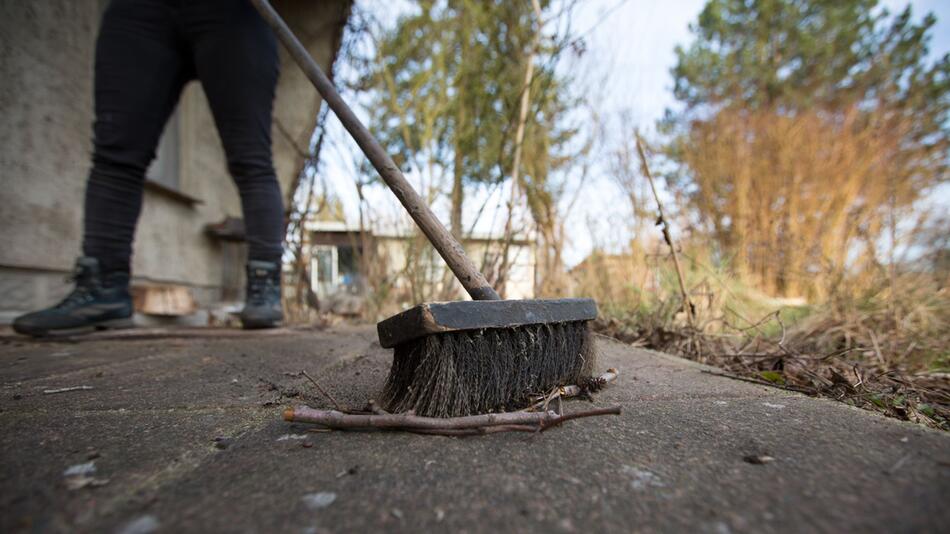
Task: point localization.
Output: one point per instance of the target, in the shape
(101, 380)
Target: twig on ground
(372, 416)
(574, 390)
(611, 410)
(475, 431)
(546, 400)
(325, 393)
(507, 421)
(893, 469)
(877, 348)
(374, 408)
(66, 389)
(757, 381)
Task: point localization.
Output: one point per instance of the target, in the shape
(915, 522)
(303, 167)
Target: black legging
(146, 51)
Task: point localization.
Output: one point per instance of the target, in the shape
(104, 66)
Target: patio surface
(183, 429)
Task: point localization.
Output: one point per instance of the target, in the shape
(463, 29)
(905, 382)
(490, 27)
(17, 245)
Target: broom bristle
(479, 371)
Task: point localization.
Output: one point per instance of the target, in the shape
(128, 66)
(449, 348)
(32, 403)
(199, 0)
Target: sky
(630, 53)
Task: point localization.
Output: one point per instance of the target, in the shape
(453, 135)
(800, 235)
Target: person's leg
(140, 69)
(235, 55)
(139, 74)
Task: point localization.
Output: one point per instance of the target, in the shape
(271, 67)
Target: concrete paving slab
(676, 460)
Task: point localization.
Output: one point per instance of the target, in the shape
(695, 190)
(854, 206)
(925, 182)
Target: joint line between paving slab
(99, 367)
(197, 410)
(188, 462)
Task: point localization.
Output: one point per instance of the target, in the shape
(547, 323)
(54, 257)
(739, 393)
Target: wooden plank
(164, 300)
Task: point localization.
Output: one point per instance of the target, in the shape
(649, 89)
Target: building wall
(519, 284)
(46, 65)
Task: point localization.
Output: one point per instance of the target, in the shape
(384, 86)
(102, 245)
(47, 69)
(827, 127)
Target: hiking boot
(97, 302)
(262, 307)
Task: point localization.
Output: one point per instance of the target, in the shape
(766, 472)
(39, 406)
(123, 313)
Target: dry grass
(793, 195)
(885, 349)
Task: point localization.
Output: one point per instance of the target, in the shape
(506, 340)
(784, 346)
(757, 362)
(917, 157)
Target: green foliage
(799, 54)
(774, 377)
(424, 81)
(446, 88)
(791, 56)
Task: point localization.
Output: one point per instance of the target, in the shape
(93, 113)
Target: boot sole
(110, 324)
(260, 324)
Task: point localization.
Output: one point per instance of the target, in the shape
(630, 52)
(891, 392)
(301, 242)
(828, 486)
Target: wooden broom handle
(443, 241)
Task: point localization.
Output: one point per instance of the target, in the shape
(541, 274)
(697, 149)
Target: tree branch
(661, 221)
(412, 422)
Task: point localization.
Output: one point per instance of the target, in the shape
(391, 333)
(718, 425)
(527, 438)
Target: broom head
(469, 357)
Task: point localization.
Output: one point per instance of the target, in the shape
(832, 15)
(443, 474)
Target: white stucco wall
(393, 251)
(46, 51)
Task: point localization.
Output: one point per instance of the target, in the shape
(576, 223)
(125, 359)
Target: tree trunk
(458, 171)
(519, 139)
(458, 197)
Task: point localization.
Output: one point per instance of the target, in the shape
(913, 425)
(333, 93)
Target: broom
(460, 358)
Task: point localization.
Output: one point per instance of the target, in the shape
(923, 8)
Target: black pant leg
(235, 56)
(139, 74)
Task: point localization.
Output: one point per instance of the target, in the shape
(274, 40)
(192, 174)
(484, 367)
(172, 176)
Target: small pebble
(319, 500)
(145, 524)
(86, 469)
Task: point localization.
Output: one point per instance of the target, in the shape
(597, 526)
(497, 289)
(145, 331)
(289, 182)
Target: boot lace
(259, 287)
(82, 293)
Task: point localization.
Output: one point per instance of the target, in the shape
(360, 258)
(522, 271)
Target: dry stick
(327, 395)
(607, 377)
(545, 400)
(661, 220)
(877, 349)
(610, 410)
(66, 389)
(758, 329)
(566, 392)
(373, 408)
(337, 419)
(475, 431)
(796, 389)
